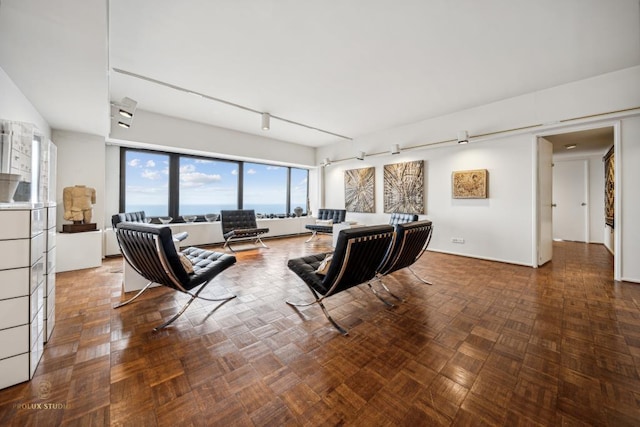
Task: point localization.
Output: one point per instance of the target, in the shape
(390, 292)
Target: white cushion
(324, 265)
(324, 222)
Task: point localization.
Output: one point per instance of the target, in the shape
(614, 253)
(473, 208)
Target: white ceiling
(349, 67)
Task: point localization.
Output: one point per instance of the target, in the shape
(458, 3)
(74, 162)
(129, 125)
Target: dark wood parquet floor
(487, 344)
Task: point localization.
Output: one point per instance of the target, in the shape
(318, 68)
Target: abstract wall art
(471, 184)
(609, 187)
(359, 190)
(404, 187)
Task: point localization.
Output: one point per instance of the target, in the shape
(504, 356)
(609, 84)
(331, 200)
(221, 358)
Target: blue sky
(204, 181)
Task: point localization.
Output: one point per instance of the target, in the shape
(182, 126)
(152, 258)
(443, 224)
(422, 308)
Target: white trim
(617, 204)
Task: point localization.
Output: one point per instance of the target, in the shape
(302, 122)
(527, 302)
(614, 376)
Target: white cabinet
(22, 291)
(49, 271)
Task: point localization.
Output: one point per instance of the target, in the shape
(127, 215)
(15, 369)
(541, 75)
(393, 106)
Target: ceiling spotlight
(326, 161)
(395, 149)
(124, 125)
(127, 107)
(463, 137)
(360, 155)
(266, 118)
(570, 146)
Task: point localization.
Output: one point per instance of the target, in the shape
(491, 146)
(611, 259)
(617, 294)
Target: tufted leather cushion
(138, 241)
(411, 240)
(335, 215)
(138, 216)
(365, 246)
(240, 223)
(401, 218)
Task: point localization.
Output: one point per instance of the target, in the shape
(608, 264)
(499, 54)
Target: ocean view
(161, 210)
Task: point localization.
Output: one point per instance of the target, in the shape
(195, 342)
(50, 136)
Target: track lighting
(326, 161)
(395, 149)
(360, 155)
(463, 137)
(266, 121)
(127, 107)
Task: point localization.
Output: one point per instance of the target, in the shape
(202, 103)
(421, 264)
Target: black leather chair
(240, 224)
(401, 218)
(335, 215)
(411, 242)
(356, 259)
(151, 252)
(139, 216)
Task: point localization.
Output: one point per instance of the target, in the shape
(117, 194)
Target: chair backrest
(357, 256)
(237, 219)
(138, 216)
(401, 218)
(150, 250)
(412, 239)
(336, 215)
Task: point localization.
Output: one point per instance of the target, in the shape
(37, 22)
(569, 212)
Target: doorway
(570, 200)
(577, 187)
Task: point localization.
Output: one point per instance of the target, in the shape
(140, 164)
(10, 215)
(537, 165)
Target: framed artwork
(404, 187)
(471, 184)
(359, 190)
(609, 186)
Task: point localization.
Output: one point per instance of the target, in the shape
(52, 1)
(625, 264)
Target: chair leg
(389, 292)
(184, 307)
(314, 234)
(227, 245)
(134, 297)
(387, 303)
(324, 310)
(335, 324)
(419, 278)
(259, 240)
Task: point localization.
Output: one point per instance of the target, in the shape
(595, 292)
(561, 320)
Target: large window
(265, 188)
(299, 189)
(207, 186)
(170, 184)
(147, 182)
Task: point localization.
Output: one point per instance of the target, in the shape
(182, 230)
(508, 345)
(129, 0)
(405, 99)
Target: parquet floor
(487, 344)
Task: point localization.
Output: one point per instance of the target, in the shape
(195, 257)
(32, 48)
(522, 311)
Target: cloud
(150, 164)
(234, 172)
(134, 163)
(198, 179)
(150, 174)
(251, 172)
(187, 169)
(203, 161)
(273, 168)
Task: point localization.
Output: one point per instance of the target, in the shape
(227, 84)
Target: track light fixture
(326, 161)
(127, 107)
(360, 155)
(266, 121)
(463, 137)
(395, 149)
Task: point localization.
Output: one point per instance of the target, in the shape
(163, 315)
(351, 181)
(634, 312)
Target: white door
(545, 192)
(570, 200)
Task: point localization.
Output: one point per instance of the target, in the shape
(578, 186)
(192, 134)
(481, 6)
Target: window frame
(174, 180)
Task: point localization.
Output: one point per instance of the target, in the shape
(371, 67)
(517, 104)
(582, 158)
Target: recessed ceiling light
(570, 146)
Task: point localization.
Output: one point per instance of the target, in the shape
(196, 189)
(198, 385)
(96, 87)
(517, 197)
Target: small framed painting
(471, 184)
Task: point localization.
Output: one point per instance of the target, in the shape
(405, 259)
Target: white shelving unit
(22, 290)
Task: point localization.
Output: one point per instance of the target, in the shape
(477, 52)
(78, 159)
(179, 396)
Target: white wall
(81, 161)
(16, 107)
(589, 101)
(497, 228)
(628, 162)
(173, 134)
